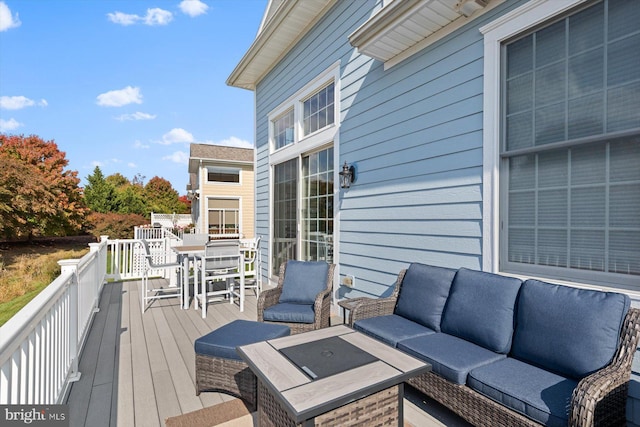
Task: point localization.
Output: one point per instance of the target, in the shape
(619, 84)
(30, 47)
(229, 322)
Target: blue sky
(127, 85)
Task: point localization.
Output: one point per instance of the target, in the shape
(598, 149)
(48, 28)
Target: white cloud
(7, 20)
(123, 18)
(132, 165)
(232, 142)
(193, 7)
(7, 125)
(136, 116)
(176, 135)
(140, 145)
(155, 16)
(158, 16)
(118, 98)
(97, 163)
(19, 102)
(178, 157)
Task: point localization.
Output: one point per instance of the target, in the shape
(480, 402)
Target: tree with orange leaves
(38, 196)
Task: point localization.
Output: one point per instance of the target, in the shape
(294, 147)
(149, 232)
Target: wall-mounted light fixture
(469, 7)
(347, 175)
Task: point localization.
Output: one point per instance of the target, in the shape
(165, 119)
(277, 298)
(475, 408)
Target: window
(283, 130)
(570, 150)
(224, 217)
(318, 110)
(302, 136)
(223, 175)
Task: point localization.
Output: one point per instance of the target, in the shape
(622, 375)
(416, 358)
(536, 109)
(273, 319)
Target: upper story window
(570, 180)
(227, 175)
(318, 110)
(283, 128)
(308, 116)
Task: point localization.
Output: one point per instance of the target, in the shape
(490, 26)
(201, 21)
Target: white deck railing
(41, 344)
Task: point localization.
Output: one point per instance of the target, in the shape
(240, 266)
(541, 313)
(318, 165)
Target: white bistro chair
(253, 279)
(221, 264)
(153, 263)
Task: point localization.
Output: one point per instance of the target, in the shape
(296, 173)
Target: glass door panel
(285, 218)
(317, 206)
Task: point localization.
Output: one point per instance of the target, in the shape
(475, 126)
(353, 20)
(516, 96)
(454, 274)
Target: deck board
(138, 369)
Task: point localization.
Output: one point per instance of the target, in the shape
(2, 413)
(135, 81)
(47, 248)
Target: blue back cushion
(570, 331)
(423, 294)
(481, 309)
(303, 280)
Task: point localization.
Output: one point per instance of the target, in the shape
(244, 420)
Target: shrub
(114, 225)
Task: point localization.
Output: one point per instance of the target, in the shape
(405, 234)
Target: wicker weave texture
(378, 409)
(226, 375)
(322, 304)
(598, 400)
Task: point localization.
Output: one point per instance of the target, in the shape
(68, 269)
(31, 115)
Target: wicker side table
(220, 368)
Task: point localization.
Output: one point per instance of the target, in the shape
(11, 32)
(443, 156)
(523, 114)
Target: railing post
(97, 281)
(71, 266)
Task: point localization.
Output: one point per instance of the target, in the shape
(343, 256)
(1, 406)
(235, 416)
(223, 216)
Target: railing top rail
(20, 325)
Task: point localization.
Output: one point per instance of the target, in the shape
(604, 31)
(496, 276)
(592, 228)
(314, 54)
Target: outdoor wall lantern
(347, 175)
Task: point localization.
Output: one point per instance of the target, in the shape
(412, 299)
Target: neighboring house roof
(398, 30)
(217, 153)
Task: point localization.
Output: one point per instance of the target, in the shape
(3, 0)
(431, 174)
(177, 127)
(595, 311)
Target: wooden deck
(139, 369)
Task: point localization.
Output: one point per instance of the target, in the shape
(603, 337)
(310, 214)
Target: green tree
(45, 198)
(99, 194)
(161, 197)
(130, 200)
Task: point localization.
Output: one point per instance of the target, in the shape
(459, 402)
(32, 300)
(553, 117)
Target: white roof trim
(279, 31)
(404, 27)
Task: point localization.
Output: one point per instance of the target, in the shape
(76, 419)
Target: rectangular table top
(305, 398)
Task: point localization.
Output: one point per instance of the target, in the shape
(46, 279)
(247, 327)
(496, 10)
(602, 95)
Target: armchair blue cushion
(423, 294)
(481, 309)
(303, 280)
(567, 330)
(290, 313)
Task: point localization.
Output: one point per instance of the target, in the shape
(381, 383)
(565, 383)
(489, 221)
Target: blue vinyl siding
(414, 133)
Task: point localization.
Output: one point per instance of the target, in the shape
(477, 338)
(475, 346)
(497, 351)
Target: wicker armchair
(598, 400)
(321, 305)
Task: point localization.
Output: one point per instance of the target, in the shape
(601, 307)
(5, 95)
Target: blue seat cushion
(303, 280)
(450, 357)
(423, 294)
(290, 313)
(481, 309)
(536, 393)
(391, 328)
(222, 342)
(570, 331)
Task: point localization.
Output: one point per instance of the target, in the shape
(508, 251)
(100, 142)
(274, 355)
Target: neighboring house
(495, 135)
(222, 190)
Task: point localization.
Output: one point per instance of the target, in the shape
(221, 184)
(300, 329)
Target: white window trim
(303, 144)
(525, 17)
(223, 168)
(309, 143)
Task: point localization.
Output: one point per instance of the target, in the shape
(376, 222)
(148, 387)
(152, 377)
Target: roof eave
(266, 50)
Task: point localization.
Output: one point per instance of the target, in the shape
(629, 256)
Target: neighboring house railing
(171, 220)
(40, 345)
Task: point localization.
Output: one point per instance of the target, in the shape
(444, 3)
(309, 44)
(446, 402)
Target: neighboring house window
(229, 175)
(570, 150)
(283, 130)
(318, 110)
(302, 135)
(224, 216)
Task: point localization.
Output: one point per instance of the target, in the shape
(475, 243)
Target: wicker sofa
(506, 352)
